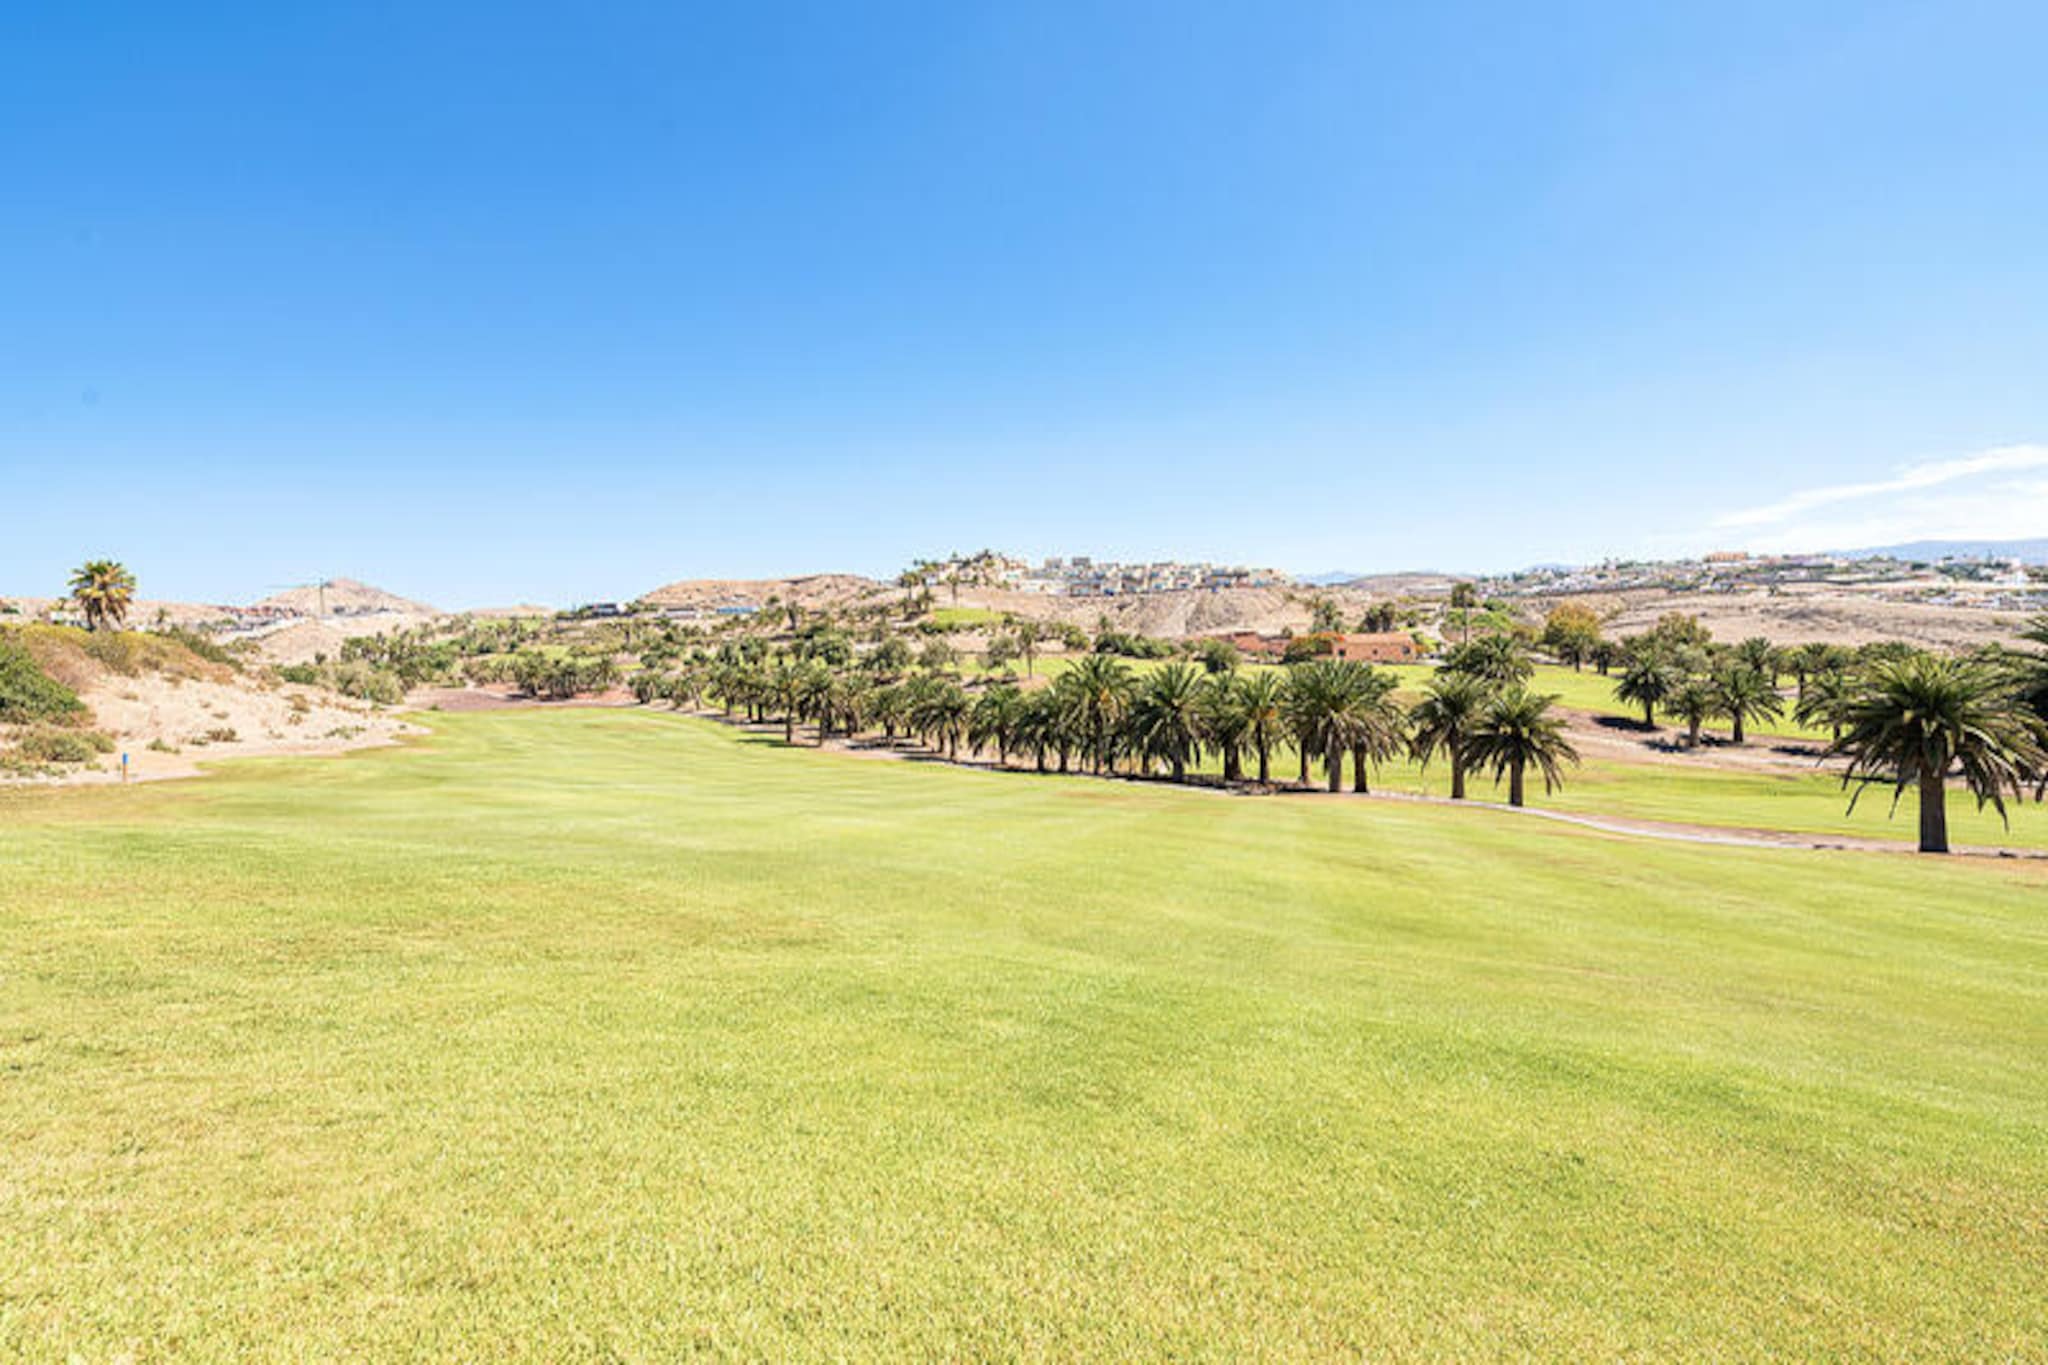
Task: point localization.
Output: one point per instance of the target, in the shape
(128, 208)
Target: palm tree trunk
(1738, 727)
(1358, 781)
(1180, 767)
(1514, 782)
(1265, 770)
(789, 727)
(1933, 813)
(1649, 715)
(1303, 748)
(1692, 733)
(1457, 776)
(1333, 763)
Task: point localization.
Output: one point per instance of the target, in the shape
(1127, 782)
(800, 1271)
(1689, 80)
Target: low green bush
(28, 695)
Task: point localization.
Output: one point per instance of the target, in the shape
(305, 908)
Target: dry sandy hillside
(301, 640)
(169, 710)
(1802, 613)
(809, 591)
(1173, 614)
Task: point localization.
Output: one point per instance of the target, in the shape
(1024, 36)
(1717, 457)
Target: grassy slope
(607, 1033)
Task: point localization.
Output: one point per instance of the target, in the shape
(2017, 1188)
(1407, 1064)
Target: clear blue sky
(553, 302)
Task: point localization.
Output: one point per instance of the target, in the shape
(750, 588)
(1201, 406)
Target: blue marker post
(124, 765)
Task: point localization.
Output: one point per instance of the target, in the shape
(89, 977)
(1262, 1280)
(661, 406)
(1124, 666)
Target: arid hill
(344, 597)
(808, 591)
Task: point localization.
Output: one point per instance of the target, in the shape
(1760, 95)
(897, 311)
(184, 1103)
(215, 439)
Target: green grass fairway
(613, 1034)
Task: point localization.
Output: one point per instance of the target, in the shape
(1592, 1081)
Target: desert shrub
(357, 678)
(1132, 646)
(49, 744)
(159, 746)
(28, 694)
(191, 640)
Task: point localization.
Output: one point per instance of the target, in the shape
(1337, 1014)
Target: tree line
(1103, 716)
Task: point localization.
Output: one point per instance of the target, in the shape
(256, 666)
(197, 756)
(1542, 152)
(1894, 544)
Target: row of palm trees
(1103, 716)
(1909, 719)
(1898, 716)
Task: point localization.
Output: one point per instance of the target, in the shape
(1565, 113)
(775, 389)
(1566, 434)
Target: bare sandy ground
(168, 727)
(1806, 612)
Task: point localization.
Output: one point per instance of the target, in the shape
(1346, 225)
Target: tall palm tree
(104, 590)
(995, 719)
(1380, 724)
(1260, 696)
(1744, 694)
(940, 713)
(1464, 597)
(1647, 678)
(1101, 686)
(1914, 720)
(1166, 718)
(1447, 719)
(787, 687)
(1330, 705)
(1517, 731)
(1226, 727)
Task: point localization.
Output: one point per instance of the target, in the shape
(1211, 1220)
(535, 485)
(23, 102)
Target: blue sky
(519, 302)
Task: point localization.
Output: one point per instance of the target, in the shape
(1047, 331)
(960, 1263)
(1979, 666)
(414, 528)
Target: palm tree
(1647, 678)
(1695, 702)
(1379, 726)
(1333, 707)
(1464, 597)
(1447, 719)
(1027, 643)
(995, 719)
(1761, 655)
(2034, 666)
(1260, 697)
(1225, 725)
(1101, 686)
(1915, 719)
(787, 688)
(1824, 700)
(1498, 659)
(940, 713)
(1744, 694)
(1516, 731)
(1166, 718)
(815, 697)
(104, 589)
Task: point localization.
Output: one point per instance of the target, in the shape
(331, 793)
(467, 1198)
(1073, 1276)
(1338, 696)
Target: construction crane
(320, 587)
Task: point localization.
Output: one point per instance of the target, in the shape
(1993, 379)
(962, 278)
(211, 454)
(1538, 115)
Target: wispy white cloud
(1972, 497)
(1913, 478)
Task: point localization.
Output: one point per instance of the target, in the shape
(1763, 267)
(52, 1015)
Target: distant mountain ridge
(2029, 551)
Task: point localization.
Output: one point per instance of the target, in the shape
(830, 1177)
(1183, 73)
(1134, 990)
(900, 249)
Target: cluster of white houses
(1083, 576)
